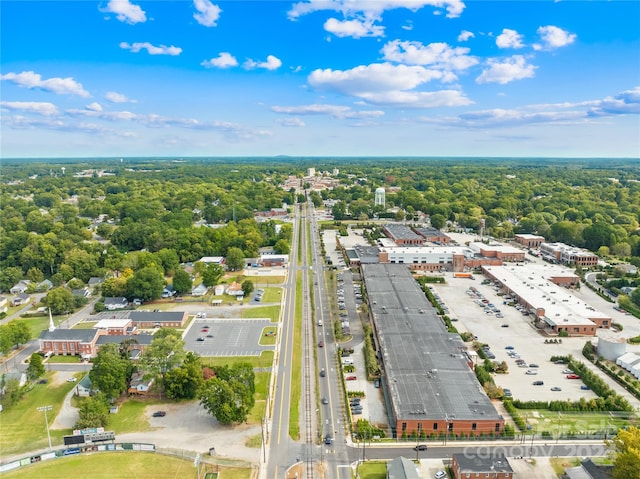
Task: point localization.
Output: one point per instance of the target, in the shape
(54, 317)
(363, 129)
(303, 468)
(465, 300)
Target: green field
(268, 340)
(22, 426)
(574, 423)
(265, 360)
(270, 312)
(372, 470)
(117, 465)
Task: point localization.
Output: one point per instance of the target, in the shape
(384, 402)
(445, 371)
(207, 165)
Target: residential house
(20, 287)
(115, 303)
(199, 290)
(234, 289)
(402, 468)
(218, 290)
(45, 285)
(168, 291)
(21, 377)
(95, 281)
(82, 292)
(589, 470)
(21, 299)
(84, 388)
(140, 385)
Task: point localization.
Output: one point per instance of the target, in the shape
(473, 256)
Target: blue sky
(320, 78)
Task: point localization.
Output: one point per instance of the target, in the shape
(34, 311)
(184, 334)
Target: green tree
(60, 300)
(185, 381)
(230, 395)
(339, 211)
(114, 287)
(19, 332)
(247, 287)
(211, 274)
(36, 367)
(93, 412)
(165, 352)
(182, 282)
(9, 276)
(146, 284)
(282, 246)
(109, 371)
(626, 456)
(438, 221)
(35, 275)
(235, 259)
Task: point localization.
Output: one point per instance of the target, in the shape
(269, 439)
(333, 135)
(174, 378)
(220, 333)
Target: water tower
(379, 197)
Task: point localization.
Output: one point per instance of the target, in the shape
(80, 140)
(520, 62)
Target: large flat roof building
(427, 373)
(535, 287)
(402, 234)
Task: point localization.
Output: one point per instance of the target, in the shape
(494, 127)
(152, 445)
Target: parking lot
(226, 337)
(519, 334)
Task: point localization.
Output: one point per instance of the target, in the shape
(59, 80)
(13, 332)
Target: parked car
(71, 380)
(351, 378)
(567, 371)
(440, 475)
(556, 388)
(420, 447)
(509, 348)
(538, 383)
(531, 372)
(201, 338)
(505, 325)
(159, 414)
(507, 392)
(533, 365)
(573, 376)
(584, 387)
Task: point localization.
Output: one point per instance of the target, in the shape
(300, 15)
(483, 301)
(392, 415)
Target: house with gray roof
(402, 468)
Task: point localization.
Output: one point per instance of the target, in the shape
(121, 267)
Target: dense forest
(137, 213)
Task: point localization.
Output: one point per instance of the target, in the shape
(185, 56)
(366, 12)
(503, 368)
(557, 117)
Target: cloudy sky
(185, 78)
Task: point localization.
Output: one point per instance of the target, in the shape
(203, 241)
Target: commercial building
(570, 255)
(536, 289)
(426, 372)
(529, 241)
(503, 252)
(481, 466)
(433, 235)
(402, 235)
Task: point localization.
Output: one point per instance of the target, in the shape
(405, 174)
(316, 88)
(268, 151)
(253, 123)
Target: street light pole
(46, 421)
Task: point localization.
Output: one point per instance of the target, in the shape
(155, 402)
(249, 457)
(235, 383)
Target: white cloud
(207, 13)
(418, 99)
(91, 111)
(509, 39)
(408, 27)
(553, 37)
(352, 8)
(151, 49)
(95, 106)
(126, 11)
(272, 63)
(465, 35)
(513, 68)
(59, 86)
(223, 60)
(40, 108)
(356, 28)
(294, 122)
(438, 55)
(115, 97)
(373, 77)
(335, 111)
(625, 103)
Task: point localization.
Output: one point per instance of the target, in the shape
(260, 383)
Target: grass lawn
(271, 312)
(64, 359)
(266, 281)
(559, 464)
(296, 364)
(372, 470)
(130, 417)
(554, 422)
(109, 465)
(272, 295)
(22, 426)
(38, 323)
(265, 360)
(268, 340)
(262, 385)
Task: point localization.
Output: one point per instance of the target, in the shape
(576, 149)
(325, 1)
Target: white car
(532, 372)
(440, 475)
(71, 380)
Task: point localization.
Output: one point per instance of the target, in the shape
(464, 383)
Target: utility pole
(46, 421)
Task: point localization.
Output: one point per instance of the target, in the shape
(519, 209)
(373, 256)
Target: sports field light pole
(46, 421)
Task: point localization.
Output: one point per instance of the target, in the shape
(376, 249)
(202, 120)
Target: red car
(573, 376)
(351, 378)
